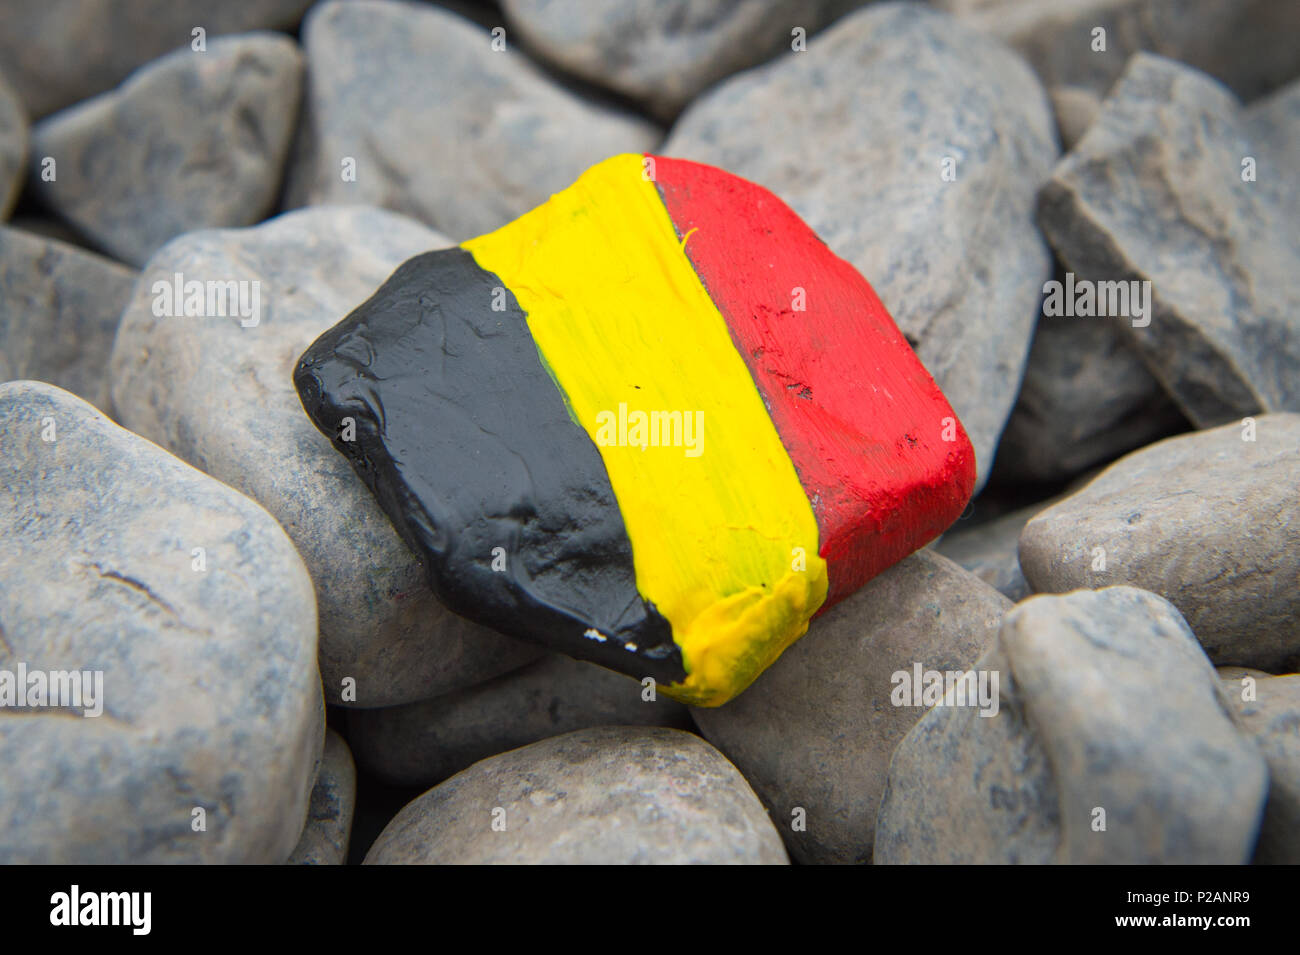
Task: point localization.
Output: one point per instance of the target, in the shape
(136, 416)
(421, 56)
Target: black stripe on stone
(467, 444)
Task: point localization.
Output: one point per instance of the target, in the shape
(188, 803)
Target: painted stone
(655, 423)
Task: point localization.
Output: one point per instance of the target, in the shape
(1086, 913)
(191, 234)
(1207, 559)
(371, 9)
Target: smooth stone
(325, 838)
(221, 396)
(1248, 45)
(1107, 703)
(211, 697)
(191, 141)
(13, 148)
(59, 309)
(439, 125)
(663, 53)
(473, 392)
(1220, 252)
(816, 730)
(611, 795)
(1087, 398)
(59, 52)
(422, 744)
(889, 92)
(1207, 520)
(1272, 717)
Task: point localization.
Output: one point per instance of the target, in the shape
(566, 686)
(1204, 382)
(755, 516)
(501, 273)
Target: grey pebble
(611, 795)
(211, 723)
(409, 107)
(1207, 520)
(59, 309)
(193, 140)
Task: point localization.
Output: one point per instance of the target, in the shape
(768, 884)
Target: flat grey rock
(854, 137)
(58, 52)
(13, 148)
(1248, 44)
(59, 309)
(325, 838)
(191, 141)
(612, 795)
(815, 732)
(420, 744)
(662, 53)
(1087, 398)
(1154, 192)
(210, 722)
(1113, 744)
(218, 392)
(1207, 520)
(412, 102)
(1269, 709)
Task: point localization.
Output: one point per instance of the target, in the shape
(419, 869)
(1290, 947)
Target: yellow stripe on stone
(724, 541)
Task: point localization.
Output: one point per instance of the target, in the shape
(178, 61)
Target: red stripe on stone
(858, 413)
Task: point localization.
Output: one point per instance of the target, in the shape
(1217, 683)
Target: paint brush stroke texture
(479, 380)
(860, 416)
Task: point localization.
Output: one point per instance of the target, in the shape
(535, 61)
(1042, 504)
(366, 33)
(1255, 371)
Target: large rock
(856, 137)
(1248, 44)
(324, 839)
(815, 732)
(664, 52)
(1112, 744)
(1086, 399)
(219, 393)
(194, 140)
(209, 719)
(410, 107)
(1269, 708)
(611, 795)
(58, 52)
(1208, 520)
(13, 148)
(1155, 193)
(420, 744)
(59, 308)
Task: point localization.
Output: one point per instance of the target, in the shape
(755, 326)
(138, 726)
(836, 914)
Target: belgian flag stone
(654, 423)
